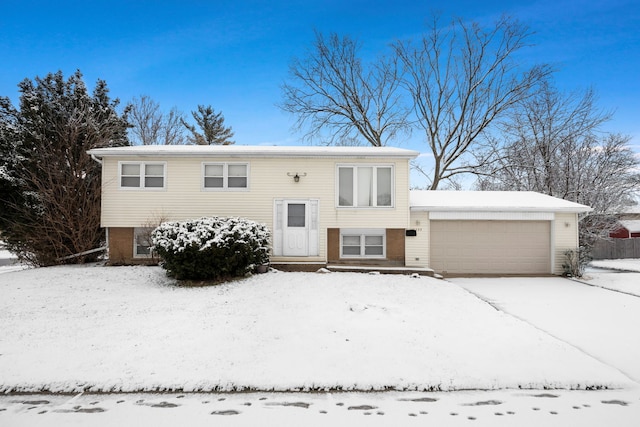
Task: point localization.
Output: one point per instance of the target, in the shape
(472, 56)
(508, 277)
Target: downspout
(106, 230)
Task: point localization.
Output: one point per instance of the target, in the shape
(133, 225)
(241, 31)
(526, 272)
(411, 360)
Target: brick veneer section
(395, 245)
(333, 245)
(120, 245)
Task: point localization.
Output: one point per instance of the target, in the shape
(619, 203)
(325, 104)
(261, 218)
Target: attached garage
(491, 247)
(491, 232)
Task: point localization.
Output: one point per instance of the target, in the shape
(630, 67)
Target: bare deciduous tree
(456, 80)
(335, 96)
(152, 127)
(551, 144)
(461, 79)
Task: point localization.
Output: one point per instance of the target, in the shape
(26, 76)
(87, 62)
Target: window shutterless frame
(225, 176)
(363, 243)
(365, 186)
(142, 242)
(134, 175)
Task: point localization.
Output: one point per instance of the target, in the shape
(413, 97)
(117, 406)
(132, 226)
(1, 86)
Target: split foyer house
(337, 206)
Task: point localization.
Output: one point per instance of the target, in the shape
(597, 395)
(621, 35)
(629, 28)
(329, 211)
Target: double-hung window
(231, 176)
(149, 175)
(362, 243)
(365, 186)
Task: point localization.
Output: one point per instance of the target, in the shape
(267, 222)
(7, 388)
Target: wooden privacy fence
(616, 249)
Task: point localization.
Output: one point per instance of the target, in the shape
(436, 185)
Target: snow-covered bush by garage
(211, 248)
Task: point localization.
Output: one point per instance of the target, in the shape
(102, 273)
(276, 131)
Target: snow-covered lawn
(8, 261)
(624, 281)
(629, 264)
(131, 329)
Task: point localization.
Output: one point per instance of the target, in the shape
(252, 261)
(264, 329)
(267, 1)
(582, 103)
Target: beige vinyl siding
(417, 247)
(184, 196)
(565, 237)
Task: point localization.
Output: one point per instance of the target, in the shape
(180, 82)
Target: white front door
(295, 239)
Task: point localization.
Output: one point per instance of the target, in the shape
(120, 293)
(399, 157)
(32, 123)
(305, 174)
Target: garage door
(491, 247)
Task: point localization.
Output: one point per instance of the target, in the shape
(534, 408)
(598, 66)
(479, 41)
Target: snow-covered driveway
(602, 323)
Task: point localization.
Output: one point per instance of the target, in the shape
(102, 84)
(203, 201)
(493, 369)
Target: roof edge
(565, 209)
(256, 151)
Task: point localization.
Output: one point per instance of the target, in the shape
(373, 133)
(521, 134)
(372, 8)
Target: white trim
(552, 244)
(142, 176)
(244, 151)
(489, 215)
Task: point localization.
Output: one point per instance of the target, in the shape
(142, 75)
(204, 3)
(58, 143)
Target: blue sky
(234, 55)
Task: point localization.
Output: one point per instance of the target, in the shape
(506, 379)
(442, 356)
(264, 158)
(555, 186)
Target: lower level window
(142, 242)
(362, 243)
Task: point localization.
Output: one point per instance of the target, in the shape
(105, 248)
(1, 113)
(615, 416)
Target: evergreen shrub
(211, 248)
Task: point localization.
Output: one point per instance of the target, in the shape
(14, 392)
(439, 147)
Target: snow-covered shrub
(576, 261)
(211, 248)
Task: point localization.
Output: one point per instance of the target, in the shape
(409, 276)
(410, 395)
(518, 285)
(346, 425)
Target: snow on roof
(635, 209)
(252, 151)
(633, 225)
(528, 201)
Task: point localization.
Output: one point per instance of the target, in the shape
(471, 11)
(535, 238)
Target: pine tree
(212, 126)
(50, 186)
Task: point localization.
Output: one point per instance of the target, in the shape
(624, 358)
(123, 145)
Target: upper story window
(226, 176)
(142, 175)
(365, 186)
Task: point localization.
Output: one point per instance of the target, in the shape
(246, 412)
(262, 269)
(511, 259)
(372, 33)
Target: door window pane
(296, 215)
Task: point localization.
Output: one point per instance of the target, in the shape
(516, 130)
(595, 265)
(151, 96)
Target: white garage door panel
(491, 247)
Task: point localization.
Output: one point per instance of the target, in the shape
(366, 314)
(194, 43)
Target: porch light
(296, 176)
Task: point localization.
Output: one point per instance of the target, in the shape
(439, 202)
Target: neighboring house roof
(491, 201)
(631, 210)
(253, 151)
(632, 225)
